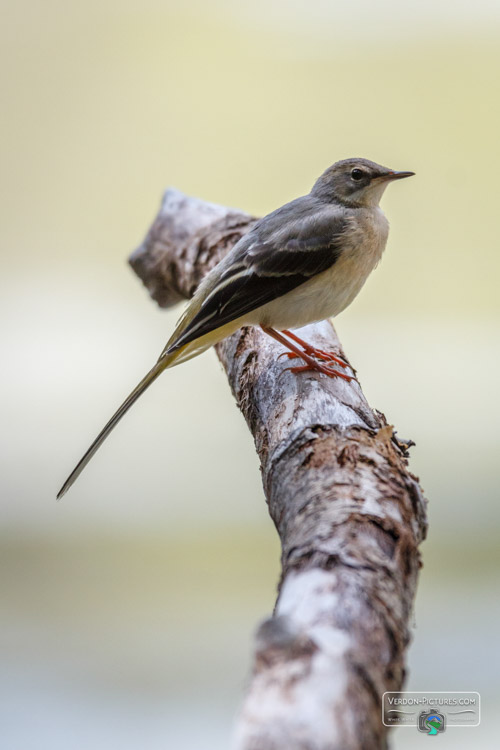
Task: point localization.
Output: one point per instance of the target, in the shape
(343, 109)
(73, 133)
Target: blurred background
(128, 609)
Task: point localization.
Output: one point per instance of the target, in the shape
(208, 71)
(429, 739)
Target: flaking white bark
(349, 514)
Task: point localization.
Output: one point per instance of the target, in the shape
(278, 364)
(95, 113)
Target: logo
(431, 712)
(431, 722)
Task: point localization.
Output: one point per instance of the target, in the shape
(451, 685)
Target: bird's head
(355, 182)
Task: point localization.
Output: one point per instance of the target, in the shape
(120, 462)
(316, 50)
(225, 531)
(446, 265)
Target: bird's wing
(262, 270)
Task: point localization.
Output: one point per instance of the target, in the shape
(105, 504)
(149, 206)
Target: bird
(304, 262)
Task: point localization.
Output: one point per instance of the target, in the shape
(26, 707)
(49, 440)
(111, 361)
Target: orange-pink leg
(313, 351)
(311, 363)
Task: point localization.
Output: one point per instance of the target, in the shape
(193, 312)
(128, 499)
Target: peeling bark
(349, 514)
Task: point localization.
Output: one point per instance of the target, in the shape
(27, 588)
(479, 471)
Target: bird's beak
(390, 175)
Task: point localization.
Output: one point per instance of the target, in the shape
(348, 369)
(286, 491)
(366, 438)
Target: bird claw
(329, 357)
(313, 358)
(318, 354)
(320, 368)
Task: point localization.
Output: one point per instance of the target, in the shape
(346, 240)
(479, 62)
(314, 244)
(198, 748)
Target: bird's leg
(311, 363)
(319, 353)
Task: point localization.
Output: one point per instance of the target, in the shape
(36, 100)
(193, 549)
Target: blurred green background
(128, 609)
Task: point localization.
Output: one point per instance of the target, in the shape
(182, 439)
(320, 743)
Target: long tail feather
(162, 364)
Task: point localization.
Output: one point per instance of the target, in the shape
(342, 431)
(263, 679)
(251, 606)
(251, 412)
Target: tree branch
(349, 514)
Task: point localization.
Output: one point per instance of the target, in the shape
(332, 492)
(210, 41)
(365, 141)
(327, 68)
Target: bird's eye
(357, 174)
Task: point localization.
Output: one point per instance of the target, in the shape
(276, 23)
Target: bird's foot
(314, 351)
(312, 363)
(319, 354)
(314, 366)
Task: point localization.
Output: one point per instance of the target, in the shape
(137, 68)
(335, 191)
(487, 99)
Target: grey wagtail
(304, 262)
